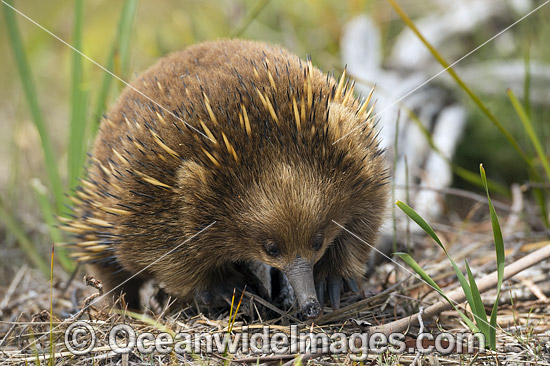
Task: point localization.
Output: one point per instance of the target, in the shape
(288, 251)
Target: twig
(459, 193)
(70, 280)
(303, 358)
(421, 330)
(13, 286)
(271, 307)
(534, 289)
(457, 296)
(90, 281)
(16, 323)
(515, 209)
(358, 306)
(529, 185)
(259, 359)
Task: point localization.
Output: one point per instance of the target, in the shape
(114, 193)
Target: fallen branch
(261, 359)
(457, 296)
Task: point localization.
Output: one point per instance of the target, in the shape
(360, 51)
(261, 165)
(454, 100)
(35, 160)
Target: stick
(457, 296)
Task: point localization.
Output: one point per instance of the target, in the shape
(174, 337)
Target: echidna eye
(318, 241)
(272, 248)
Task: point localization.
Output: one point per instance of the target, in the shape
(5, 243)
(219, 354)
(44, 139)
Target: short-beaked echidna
(229, 153)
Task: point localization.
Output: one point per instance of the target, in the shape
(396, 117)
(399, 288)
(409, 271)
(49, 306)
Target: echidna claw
(352, 284)
(205, 297)
(335, 286)
(334, 289)
(320, 288)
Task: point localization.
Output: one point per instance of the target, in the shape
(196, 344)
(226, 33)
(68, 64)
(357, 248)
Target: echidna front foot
(335, 285)
(118, 284)
(253, 278)
(219, 295)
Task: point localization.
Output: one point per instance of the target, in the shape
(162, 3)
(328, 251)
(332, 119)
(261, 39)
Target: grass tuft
(253, 14)
(120, 47)
(416, 267)
(499, 248)
(27, 247)
(477, 101)
(462, 172)
(77, 126)
(49, 217)
(52, 207)
(232, 319)
(469, 286)
(530, 130)
(29, 88)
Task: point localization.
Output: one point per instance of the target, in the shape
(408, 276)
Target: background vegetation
(305, 27)
(58, 100)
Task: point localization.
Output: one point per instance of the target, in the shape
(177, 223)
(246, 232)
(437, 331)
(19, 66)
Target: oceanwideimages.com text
(81, 339)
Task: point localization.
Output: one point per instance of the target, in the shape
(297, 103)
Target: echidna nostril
(312, 308)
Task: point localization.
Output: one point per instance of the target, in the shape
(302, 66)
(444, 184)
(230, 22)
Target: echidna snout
(300, 275)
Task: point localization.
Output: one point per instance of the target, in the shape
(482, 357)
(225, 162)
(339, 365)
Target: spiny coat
(225, 153)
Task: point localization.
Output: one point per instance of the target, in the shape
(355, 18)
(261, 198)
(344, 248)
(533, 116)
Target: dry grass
(392, 292)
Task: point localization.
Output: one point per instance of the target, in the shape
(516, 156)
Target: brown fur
(273, 173)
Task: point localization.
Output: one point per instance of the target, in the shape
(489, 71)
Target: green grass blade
(478, 309)
(101, 100)
(33, 341)
(52, 344)
(394, 165)
(26, 245)
(541, 198)
(120, 46)
(30, 94)
(473, 178)
(492, 329)
(528, 126)
(124, 32)
(540, 195)
(254, 12)
(145, 319)
(416, 267)
(428, 229)
(499, 248)
(478, 102)
(527, 81)
(497, 233)
(51, 222)
(420, 221)
(77, 127)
